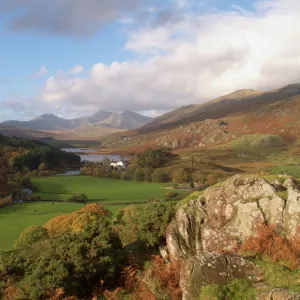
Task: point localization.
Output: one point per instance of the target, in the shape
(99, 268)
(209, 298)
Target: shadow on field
(24, 208)
(53, 188)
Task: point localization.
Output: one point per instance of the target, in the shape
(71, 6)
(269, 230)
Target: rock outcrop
(214, 268)
(220, 219)
(278, 294)
(223, 216)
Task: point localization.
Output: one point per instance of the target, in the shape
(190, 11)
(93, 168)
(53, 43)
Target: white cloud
(196, 58)
(76, 70)
(42, 72)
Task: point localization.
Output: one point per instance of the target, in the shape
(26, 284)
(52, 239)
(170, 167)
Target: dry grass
(270, 242)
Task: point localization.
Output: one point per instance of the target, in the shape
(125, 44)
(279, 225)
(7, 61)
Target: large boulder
(223, 216)
(214, 268)
(220, 219)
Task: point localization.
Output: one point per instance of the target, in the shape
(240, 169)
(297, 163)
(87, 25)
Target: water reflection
(92, 157)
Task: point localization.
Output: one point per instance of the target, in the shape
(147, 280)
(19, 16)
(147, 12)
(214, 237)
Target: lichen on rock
(228, 213)
(220, 219)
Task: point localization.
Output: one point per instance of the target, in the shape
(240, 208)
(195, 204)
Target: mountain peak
(48, 117)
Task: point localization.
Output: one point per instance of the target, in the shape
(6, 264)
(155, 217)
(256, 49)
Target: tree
(161, 175)
(76, 221)
(106, 162)
(77, 198)
(153, 158)
(114, 174)
(145, 224)
(180, 176)
(100, 171)
(43, 167)
(30, 236)
(129, 173)
(73, 261)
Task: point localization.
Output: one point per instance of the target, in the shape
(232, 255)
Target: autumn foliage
(6, 201)
(76, 221)
(158, 281)
(270, 242)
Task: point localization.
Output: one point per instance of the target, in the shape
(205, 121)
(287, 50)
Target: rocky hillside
(211, 226)
(220, 121)
(101, 119)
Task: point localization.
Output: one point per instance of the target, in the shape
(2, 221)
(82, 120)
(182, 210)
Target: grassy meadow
(103, 190)
(113, 194)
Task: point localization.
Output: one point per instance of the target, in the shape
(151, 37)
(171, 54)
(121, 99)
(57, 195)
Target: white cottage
(120, 164)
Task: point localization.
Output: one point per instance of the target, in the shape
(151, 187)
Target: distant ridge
(242, 113)
(236, 102)
(101, 119)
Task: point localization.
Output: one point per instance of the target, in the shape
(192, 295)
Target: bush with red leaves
(270, 242)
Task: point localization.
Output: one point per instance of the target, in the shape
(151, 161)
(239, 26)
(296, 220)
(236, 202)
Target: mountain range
(219, 121)
(101, 119)
(234, 103)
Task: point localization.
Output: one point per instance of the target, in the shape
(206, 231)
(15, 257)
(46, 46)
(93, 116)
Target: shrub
(77, 221)
(30, 236)
(145, 224)
(33, 173)
(170, 195)
(6, 201)
(77, 198)
(161, 175)
(127, 174)
(270, 242)
(114, 174)
(43, 167)
(43, 173)
(159, 281)
(24, 181)
(71, 261)
(99, 171)
(139, 175)
(143, 174)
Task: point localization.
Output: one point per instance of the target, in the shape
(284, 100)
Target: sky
(73, 57)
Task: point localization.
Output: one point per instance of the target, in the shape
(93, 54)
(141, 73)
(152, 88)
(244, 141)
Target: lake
(90, 156)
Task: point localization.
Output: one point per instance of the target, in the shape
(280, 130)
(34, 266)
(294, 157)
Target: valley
(114, 195)
(219, 176)
(150, 150)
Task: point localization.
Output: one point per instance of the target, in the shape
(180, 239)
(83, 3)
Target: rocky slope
(238, 102)
(220, 219)
(220, 121)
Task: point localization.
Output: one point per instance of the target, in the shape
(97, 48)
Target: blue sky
(40, 44)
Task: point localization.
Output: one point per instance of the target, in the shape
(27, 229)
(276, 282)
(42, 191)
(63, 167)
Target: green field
(14, 219)
(102, 190)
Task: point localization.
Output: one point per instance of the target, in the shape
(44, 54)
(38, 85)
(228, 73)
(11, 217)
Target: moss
(212, 292)
(278, 276)
(274, 177)
(193, 196)
(283, 195)
(236, 290)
